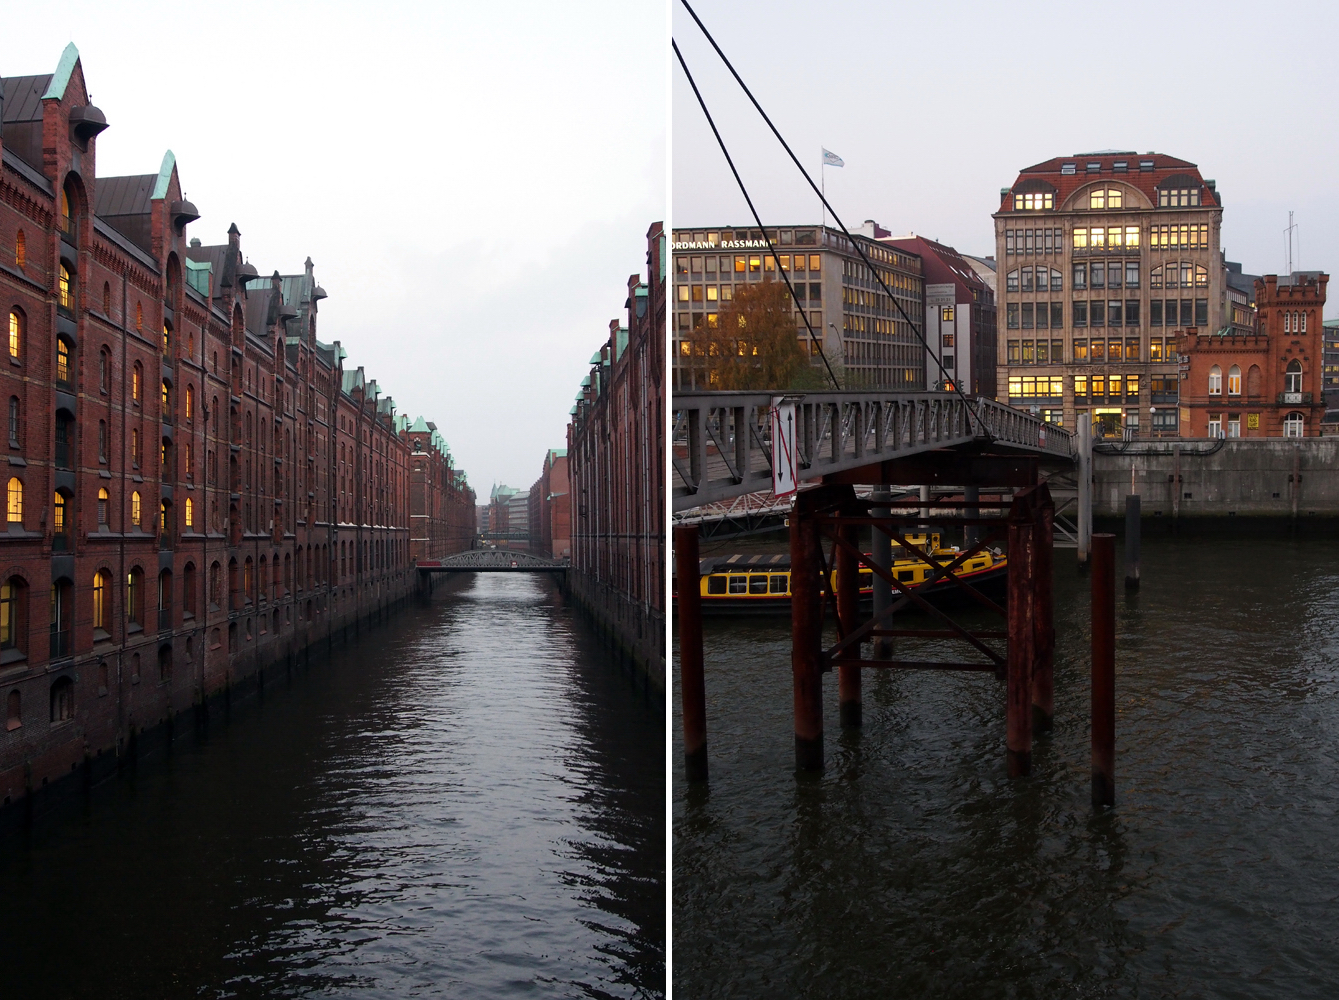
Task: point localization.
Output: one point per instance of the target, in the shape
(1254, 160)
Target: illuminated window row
(1046, 279)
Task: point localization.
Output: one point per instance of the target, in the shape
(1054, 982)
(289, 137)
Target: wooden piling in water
(882, 548)
(848, 603)
(1104, 669)
(692, 679)
(806, 661)
(1043, 621)
(1020, 611)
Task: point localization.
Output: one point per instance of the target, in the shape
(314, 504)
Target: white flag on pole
(832, 159)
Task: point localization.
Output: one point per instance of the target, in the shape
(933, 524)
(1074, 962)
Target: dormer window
(1105, 198)
(1068, 169)
(1033, 202)
(1185, 197)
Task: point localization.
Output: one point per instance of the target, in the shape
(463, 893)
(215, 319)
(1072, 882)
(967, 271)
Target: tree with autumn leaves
(753, 346)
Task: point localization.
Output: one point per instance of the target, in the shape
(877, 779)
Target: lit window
(1215, 381)
(102, 505)
(134, 383)
(15, 333)
(134, 508)
(1234, 382)
(1292, 378)
(20, 249)
(190, 513)
(62, 361)
(64, 212)
(9, 615)
(166, 397)
(66, 288)
(15, 504)
(58, 527)
(102, 599)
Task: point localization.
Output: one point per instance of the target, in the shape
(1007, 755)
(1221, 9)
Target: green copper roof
(585, 381)
(596, 358)
(572, 412)
(622, 342)
(420, 427)
(61, 78)
(197, 274)
(164, 174)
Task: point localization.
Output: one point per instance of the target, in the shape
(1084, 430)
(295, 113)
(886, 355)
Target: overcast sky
(473, 181)
(935, 107)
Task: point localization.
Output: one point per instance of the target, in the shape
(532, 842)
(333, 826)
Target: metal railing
(721, 445)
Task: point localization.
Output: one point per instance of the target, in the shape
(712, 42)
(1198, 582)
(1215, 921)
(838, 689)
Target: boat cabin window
(715, 585)
(739, 585)
(778, 583)
(906, 575)
(758, 583)
(866, 579)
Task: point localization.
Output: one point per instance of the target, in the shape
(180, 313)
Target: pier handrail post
(848, 604)
(1085, 477)
(806, 656)
(1020, 608)
(1043, 622)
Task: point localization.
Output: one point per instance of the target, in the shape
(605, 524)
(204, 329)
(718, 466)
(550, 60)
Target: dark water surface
(467, 803)
(913, 868)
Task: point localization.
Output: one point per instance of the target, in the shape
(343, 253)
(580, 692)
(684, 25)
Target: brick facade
(551, 508)
(197, 487)
(616, 456)
(1249, 384)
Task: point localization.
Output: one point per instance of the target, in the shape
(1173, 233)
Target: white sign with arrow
(784, 461)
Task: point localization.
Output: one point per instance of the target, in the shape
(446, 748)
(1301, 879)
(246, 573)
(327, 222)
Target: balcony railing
(1107, 251)
(1294, 399)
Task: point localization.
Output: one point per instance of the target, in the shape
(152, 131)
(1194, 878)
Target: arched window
(1253, 376)
(165, 523)
(15, 333)
(215, 572)
(64, 440)
(66, 300)
(1201, 276)
(167, 399)
(248, 580)
(1234, 381)
(135, 508)
(165, 599)
(167, 341)
(134, 447)
(15, 500)
(136, 379)
(20, 249)
(102, 602)
(190, 513)
(14, 426)
(102, 505)
(264, 579)
(190, 402)
(1294, 425)
(102, 441)
(60, 526)
(104, 371)
(234, 586)
(64, 211)
(190, 460)
(62, 700)
(106, 299)
(135, 596)
(1215, 381)
(139, 320)
(1302, 319)
(1292, 377)
(13, 711)
(164, 664)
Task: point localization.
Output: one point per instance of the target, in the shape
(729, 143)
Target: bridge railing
(722, 441)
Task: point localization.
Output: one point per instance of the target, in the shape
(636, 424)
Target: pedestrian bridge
(493, 561)
(722, 441)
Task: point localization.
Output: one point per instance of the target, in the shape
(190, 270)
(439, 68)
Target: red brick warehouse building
(1265, 383)
(616, 472)
(551, 508)
(197, 487)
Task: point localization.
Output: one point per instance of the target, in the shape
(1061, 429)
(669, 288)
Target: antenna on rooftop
(1290, 232)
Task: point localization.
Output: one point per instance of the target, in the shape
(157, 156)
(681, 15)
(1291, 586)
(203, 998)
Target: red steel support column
(1104, 670)
(692, 679)
(806, 656)
(848, 604)
(1043, 623)
(1021, 600)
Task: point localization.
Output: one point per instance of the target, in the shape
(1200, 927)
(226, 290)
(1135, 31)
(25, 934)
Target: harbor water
(465, 802)
(912, 866)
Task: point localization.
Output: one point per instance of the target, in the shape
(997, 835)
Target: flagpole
(823, 200)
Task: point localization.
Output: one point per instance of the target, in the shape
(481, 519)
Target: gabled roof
(130, 195)
(64, 70)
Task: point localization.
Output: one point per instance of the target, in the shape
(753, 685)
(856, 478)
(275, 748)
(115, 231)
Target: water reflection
(912, 867)
(467, 803)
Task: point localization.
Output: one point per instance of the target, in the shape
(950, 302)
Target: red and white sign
(784, 462)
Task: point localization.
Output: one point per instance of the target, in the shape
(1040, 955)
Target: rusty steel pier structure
(722, 449)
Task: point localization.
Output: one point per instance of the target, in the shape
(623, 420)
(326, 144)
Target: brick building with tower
(197, 486)
(1262, 383)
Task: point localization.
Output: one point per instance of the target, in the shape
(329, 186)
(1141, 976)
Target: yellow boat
(760, 584)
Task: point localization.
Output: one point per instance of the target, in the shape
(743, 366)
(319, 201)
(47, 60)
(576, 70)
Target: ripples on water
(467, 803)
(914, 868)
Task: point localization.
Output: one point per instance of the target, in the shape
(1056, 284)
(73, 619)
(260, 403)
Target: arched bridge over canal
(493, 561)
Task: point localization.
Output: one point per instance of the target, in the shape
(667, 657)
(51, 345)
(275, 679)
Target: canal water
(469, 802)
(914, 868)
